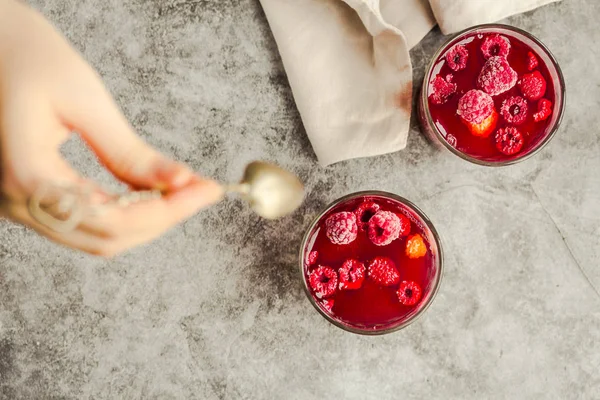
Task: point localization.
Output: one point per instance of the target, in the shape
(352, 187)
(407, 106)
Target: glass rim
(563, 95)
(436, 284)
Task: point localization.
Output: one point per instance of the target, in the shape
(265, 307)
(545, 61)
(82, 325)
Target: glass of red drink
(493, 95)
(371, 262)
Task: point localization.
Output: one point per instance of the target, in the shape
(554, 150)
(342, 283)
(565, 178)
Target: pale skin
(47, 91)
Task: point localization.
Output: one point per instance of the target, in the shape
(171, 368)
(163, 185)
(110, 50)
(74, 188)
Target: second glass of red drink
(371, 262)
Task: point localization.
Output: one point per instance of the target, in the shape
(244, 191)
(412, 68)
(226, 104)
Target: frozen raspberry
(544, 110)
(328, 304)
(496, 76)
(352, 274)
(532, 61)
(514, 110)
(476, 110)
(364, 212)
(442, 89)
(383, 271)
(533, 85)
(457, 57)
(404, 224)
(475, 106)
(495, 45)
(384, 227)
(415, 246)
(409, 293)
(311, 258)
(509, 140)
(323, 281)
(341, 227)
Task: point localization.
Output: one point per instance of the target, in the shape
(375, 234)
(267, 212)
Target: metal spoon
(271, 191)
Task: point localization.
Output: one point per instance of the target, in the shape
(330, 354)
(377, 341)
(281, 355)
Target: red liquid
(450, 124)
(374, 307)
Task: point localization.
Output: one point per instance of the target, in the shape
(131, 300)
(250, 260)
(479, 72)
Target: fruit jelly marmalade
(457, 72)
(376, 303)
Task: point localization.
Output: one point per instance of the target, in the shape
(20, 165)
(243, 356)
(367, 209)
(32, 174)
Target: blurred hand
(47, 91)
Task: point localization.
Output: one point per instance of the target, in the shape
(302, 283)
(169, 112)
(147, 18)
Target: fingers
(91, 111)
(140, 222)
(77, 239)
(52, 91)
(130, 159)
(121, 228)
(49, 79)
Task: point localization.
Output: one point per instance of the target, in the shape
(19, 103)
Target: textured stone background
(215, 309)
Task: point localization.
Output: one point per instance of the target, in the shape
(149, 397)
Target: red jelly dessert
(493, 95)
(385, 277)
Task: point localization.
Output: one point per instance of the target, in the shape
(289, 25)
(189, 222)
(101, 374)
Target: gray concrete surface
(215, 309)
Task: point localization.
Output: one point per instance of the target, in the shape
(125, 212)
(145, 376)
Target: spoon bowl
(271, 191)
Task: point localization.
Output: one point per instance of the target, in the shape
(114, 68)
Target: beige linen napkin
(349, 69)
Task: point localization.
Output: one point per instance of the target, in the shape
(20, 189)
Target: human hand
(47, 91)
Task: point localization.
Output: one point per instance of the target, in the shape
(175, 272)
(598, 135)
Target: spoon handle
(241, 188)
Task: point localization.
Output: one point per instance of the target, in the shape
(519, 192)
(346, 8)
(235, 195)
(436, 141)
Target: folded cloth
(348, 65)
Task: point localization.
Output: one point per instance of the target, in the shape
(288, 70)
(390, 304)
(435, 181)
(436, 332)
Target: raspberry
(341, 227)
(495, 45)
(352, 274)
(409, 293)
(496, 76)
(328, 304)
(532, 61)
(364, 212)
(475, 106)
(415, 246)
(514, 110)
(442, 89)
(457, 57)
(384, 227)
(404, 224)
(476, 110)
(533, 85)
(383, 271)
(544, 110)
(509, 140)
(323, 281)
(311, 258)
